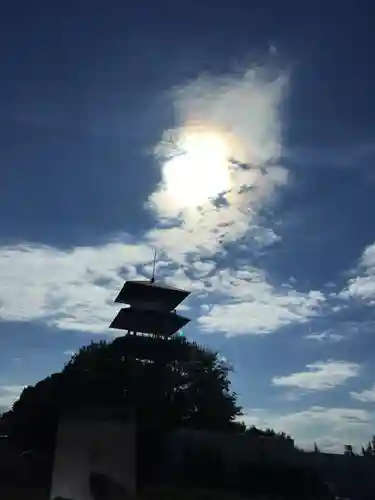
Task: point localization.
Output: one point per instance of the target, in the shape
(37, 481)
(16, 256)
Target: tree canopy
(174, 383)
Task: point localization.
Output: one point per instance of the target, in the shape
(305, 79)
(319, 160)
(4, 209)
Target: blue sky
(279, 256)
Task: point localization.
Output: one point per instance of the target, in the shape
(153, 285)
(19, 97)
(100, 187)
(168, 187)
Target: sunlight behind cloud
(226, 140)
(219, 170)
(199, 168)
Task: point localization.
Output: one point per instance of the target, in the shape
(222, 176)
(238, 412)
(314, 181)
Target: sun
(199, 168)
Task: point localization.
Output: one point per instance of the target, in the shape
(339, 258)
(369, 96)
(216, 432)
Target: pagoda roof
(151, 296)
(149, 322)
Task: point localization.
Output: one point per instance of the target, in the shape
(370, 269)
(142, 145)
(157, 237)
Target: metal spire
(153, 270)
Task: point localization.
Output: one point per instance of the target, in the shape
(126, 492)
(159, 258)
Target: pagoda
(149, 320)
(113, 442)
(151, 309)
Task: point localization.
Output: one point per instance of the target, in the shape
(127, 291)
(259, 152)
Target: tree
(269, 433)
(169, 384)
(348, 450)
(369, 449)
(239, 427)
(316, 449)
(371, 446)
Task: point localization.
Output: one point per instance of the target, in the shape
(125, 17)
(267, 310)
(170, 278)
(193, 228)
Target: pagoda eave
(149, 322)
(148, 295)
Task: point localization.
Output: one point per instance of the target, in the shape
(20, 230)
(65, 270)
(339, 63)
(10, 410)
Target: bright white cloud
(8, 395)
(74, 289)
(320, 376)
(366, 396)
(249, 304)
(245, 111)
(362, 285)
(66, 289)
(330, 428)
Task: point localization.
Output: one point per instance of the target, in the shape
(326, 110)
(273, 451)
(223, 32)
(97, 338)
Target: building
(97, 448)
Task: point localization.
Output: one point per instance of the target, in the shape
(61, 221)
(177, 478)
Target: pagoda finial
(153, 270)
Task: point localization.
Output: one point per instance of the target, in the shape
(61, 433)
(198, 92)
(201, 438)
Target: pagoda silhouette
(151, 309)
(122, 443)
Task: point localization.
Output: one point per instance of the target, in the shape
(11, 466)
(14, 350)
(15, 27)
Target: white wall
(87, 444)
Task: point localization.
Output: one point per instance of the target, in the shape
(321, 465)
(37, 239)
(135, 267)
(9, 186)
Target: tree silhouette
(170, 384)
(348, 450)
(371, 446)
(269, 433)
(369, 451)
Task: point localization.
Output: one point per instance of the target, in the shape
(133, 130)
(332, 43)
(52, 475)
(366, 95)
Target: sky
(236, 139)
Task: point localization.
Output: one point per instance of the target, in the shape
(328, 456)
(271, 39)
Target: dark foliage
(170, 384)
(204, 466)
(207, 466)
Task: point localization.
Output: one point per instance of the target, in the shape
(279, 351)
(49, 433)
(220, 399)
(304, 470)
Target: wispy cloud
(8, 395)
(244, 108)
(66, 289)
(320, 376)
(362, 283)
(68, 353)
(248, 304)
(366, 396)
(74, 289)
(326, 336)
(330, 428)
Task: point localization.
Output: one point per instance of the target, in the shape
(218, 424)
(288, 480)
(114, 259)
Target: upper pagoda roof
(151, 296)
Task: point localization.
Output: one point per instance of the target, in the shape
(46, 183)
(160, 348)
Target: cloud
(342, 329)
(330, 428)
(244, 108)
(8, 395)
(74, 289)
(326, 336)
(66, 289)
(362, 285)
(366, 396)
(249, 304)
(69, 353)
(320, 376)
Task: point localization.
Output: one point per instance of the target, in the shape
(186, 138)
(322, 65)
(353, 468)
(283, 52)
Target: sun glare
(199, 171)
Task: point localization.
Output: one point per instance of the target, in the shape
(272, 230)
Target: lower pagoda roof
(149, 322)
